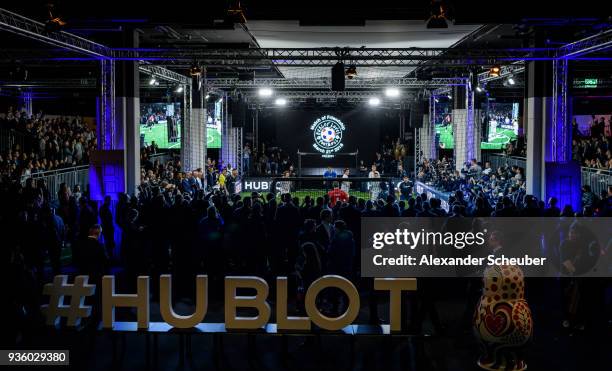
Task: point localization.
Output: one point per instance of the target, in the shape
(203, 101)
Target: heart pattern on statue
(497, 322)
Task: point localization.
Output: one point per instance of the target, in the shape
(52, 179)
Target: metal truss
(23, 26)
(164, 74)
(506, 70)
(63, 83)
(325, 83)
(561, 126)
(322, 95)
(330, 56)
(107, 127)
(592, 44)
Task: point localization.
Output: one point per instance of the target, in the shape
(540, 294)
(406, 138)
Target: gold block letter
(232, 301)
(395, 286)
(283, 322)
(165, 302)
(330, 323)
(110, 301)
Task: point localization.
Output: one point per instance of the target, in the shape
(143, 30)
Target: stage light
(280, 101)
(510, 80)
(437, 18)
(374, 101)
(494, 71)
(479, 89)
(152, 81)
(54, 23)
(179, 89)
(265, 92)
(449, 96)
(195, 70)
(207, 96)
(351, 72)
(392, 92)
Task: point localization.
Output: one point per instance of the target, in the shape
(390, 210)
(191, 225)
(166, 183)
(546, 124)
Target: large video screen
(213, 124)
(444, 124)
(160, 123)
(500, 122)
(501, 125)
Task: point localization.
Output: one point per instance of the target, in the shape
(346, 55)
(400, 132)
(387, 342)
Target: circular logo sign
(327, 132)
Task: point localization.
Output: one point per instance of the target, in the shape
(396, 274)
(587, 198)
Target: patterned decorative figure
(502, 320)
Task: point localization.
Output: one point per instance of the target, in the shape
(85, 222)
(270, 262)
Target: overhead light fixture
(495, 71)
(280, 101)
(510, 80)
(207, 96)
(179, 89)
(152, 81)
(195, 70)
(265, 92)
(54, 23)
(449, 96)
(392, 92)
(351, 72)
(437, 17)
(374, 101)
(479, 89)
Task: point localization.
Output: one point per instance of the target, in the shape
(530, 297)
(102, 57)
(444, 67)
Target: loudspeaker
(417, 110)
(238, 109)
(337, 77)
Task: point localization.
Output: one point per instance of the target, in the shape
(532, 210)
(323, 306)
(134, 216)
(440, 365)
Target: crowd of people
(189, 222)
(593, 149)
(47, 143)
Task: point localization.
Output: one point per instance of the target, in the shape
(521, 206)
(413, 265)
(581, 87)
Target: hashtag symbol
(77, 292)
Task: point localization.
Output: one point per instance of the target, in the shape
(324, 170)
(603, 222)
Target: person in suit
(108, 228)
(325, 229)
(93, 261)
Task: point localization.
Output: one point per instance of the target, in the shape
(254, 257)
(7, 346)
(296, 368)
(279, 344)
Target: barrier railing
(498, 160)
(597, 179)
(53, 179)
(9, 138)
(162, 157)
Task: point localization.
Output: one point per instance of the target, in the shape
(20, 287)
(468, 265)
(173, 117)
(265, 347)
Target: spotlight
(152, 81)
(280, 101)
(179, 89)
(392, 92)
(195, 70)
(54, 23)
(510, 80)
(374, 101)
(494, 71)
(207, 96)
(479, 89)
(265, 92)
(438, 15)
(450, 96)
(351, 72)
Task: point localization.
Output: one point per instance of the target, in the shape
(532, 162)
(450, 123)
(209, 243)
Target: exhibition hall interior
(299, 185)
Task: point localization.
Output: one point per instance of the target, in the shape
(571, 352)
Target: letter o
(332, 323)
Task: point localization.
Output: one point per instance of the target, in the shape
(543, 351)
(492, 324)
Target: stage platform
(319, 171)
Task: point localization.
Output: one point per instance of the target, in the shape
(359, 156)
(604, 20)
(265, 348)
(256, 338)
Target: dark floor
(454, 349)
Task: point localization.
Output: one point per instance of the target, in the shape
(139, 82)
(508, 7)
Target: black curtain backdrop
(289, 129)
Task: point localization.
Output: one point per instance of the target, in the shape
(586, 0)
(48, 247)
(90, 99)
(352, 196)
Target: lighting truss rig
(325, 83)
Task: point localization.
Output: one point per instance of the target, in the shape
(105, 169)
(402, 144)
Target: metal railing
(78, 175)
(498, 160)
(9, 138)
(162, 157)
(597, 179)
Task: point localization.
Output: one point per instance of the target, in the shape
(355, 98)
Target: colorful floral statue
(502, 320)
